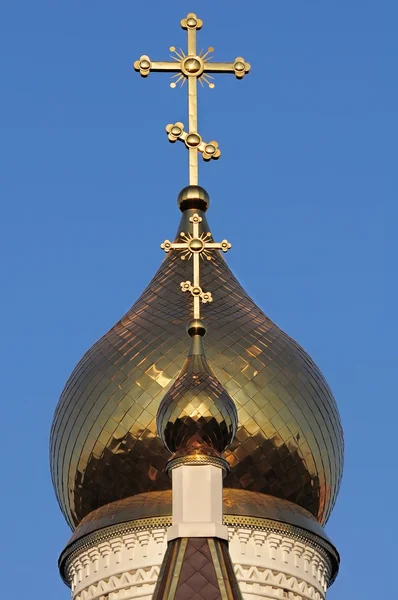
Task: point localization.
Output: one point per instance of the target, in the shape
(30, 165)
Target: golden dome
(104, 442)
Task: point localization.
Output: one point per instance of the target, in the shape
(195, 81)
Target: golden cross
(196, 246)
(193, 67)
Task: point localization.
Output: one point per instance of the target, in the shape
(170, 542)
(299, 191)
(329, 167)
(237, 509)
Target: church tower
(196, 450)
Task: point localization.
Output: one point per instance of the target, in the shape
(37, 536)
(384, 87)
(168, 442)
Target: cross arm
(144, 65)
(224, 245)
(167, 245)
(239, 67)
(193, 141)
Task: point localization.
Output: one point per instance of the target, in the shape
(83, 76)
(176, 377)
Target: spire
(194, 67)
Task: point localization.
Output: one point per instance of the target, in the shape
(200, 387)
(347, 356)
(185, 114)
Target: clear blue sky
(306, 190)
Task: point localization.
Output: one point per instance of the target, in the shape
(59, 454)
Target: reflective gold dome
(197, 412)
(104, 442)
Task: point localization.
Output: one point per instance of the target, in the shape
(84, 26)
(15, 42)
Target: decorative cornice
(327, 551)
(256, 582)
(118, 583)
(106, 534)
(246, 576)
(270, 526)
(267, 564)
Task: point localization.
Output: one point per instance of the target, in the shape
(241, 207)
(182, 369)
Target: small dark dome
(197, 410)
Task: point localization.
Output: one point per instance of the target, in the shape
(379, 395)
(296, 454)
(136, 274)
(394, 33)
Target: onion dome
(197, 414)
(104, 440)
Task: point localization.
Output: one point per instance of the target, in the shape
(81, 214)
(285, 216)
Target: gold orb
(196, 245)
(192, 65)
(239, 66)
(145, 64)
(193, 140)
(176, 130)
(196, 327)
(193, 196)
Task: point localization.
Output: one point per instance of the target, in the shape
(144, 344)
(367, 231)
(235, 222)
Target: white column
(197, 502)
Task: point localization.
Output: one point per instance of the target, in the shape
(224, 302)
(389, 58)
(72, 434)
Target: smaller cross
(197, 246)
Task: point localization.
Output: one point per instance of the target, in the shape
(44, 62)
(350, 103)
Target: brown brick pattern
(197, 569)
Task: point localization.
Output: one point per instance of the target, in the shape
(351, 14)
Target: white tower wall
(269, 564)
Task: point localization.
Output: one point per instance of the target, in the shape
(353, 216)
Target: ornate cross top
(193, 67)
(196, 246)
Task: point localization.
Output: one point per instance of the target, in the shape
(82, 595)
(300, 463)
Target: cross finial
(197, 246)
(194, 67)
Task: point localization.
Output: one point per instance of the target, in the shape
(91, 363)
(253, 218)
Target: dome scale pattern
(104, 442)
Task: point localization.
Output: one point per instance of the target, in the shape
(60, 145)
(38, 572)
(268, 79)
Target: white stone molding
(308, 556)
(143, 540)
(298, 550)
(127, 566)
(273, 543)
(259, 540)
(269, 565)
(272, 565)
(244, 536)
(159, 537)
(130, 540)
(94, 556)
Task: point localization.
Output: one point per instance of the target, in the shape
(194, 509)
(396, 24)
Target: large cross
(196, 246)
(194, 67)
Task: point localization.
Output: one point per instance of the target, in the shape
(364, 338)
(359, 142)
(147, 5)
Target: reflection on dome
(104, 443)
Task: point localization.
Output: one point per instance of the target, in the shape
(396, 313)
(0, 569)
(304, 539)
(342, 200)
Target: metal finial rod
(193, 67)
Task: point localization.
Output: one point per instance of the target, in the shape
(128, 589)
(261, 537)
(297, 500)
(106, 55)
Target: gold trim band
(198, 460)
